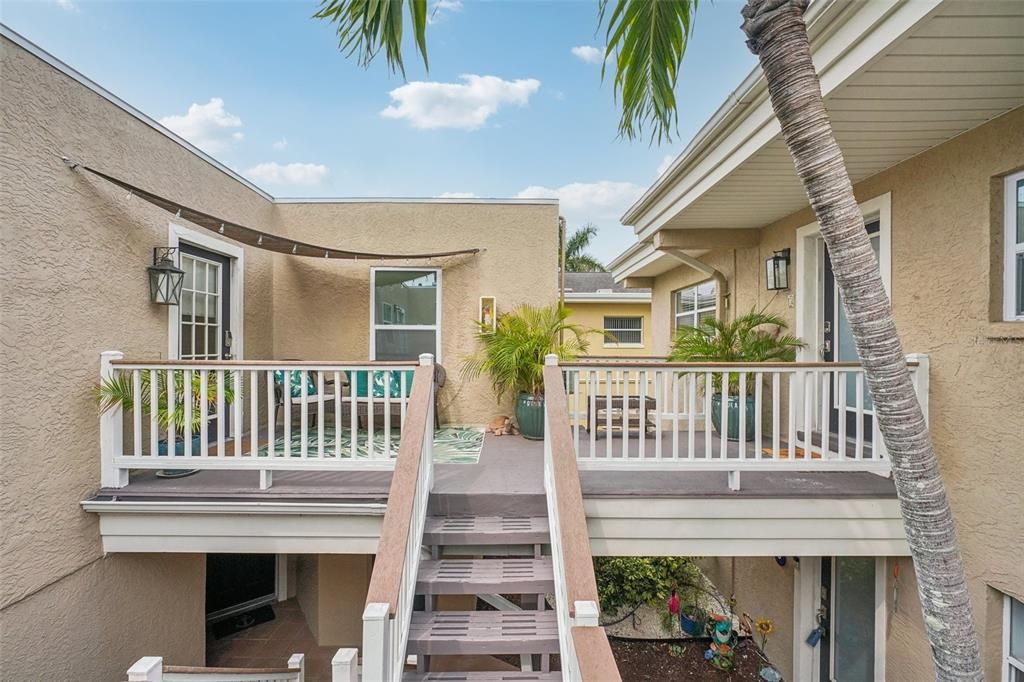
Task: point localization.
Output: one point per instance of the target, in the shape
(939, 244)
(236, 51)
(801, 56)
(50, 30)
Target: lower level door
(848, 596)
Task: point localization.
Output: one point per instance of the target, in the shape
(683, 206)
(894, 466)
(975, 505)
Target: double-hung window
(405, 313)
(1013, 268)
(623, 331)
(1013, 639)
(695, 304)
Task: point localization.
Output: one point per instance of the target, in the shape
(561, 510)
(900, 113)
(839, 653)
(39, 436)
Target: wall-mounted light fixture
(165, 277)
(777, 271)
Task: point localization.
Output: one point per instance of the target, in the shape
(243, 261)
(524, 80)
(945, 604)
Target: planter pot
(179, 447)
(179, 451)
(530, 416)
(693, 626)
(734, 416)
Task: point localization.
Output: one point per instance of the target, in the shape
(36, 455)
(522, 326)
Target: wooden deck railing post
(111, 430)
(147, 669)
(297, 662)
(376, 648)
(344, 666)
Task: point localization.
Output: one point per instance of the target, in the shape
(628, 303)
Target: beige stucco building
(941, 191)
(617, 321)
(73, 276)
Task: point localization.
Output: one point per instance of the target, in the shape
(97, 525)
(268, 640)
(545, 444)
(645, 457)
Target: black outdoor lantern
(165, 278)
(777, 271)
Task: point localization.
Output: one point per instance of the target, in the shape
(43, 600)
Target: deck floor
(508, 465)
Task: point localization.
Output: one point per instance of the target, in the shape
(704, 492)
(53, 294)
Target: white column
(111, 430)
(344, 666)
(297, 662)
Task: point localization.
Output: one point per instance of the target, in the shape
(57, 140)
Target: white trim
(1010, 663)
(615, 297)
(417, 200)
(179, 233)
(405, 327)
(1011, 248)
(696, 312)
(809, 275)
(881, 615)
(281, 576)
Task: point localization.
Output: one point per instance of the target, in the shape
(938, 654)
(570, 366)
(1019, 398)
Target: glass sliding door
(848, 603)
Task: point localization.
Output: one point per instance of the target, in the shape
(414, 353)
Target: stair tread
(485, 576)
(492, 632)
(478, 530)
(484, 676)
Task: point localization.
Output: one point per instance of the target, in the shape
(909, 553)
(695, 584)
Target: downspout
(721, 282)
(561, 273)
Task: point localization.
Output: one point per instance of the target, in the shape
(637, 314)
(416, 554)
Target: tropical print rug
(452, 445)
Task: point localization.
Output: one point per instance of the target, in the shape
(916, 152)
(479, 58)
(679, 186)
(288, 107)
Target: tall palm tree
(576, 258)
(646, 40)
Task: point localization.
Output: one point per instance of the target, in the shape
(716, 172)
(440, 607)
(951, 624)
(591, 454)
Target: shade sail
(258, 238)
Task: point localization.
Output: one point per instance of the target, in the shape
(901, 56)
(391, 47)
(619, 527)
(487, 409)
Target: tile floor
(269, 645)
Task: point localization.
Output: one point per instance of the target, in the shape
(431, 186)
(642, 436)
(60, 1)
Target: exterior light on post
(165, 278)
(777, 271)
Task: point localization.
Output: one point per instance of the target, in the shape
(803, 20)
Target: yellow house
(620, 317)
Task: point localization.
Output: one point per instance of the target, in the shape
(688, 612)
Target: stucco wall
(73, 253)
(322, 308)
(946, 220)
(93, 624)
(591, 316)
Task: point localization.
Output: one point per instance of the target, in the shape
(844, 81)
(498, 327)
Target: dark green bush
(628, 581)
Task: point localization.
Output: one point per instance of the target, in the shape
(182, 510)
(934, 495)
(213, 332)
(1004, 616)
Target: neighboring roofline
(627, 255)
(417, 200)
(613, 297)
(75, 75)
(752, 87)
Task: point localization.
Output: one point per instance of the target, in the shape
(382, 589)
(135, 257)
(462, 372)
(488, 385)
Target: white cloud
(458, 195)
(442, 7)
(68, 5)
(465, 105)
(589, 53)
(601, 203)
(666, 161)
(207, 126)
(289, 174)
(281, 144)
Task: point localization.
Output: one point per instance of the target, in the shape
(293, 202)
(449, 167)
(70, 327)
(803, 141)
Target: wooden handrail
(580, 582)
(594, 655)
(386, 579)
(197, 669)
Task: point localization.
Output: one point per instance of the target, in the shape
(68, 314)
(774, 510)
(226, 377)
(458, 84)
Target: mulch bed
(648, 661)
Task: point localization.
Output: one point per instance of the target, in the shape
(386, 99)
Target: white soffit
(898, 77)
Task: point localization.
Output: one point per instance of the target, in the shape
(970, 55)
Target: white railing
(576, 601)
(804, 416)
(152, 669)
(392, 590)
(251, 415)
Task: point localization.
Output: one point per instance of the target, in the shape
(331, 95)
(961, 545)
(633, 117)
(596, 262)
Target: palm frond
(647, 39)
(365, 26)
(576, 260)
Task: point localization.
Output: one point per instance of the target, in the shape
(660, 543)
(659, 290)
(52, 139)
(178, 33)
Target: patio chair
(297, 387)
(380, 384)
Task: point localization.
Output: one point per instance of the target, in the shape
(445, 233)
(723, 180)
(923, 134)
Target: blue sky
(508, 107)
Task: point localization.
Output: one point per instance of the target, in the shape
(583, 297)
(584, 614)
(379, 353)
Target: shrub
(628, 581)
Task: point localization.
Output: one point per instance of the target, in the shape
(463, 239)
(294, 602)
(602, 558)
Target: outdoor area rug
(452, 445)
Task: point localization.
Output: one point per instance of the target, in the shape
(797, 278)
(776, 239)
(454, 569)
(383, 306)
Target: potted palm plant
(119, 390)
(512, 355)
(754, 337)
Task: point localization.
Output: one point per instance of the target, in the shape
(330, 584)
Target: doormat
(242, 621)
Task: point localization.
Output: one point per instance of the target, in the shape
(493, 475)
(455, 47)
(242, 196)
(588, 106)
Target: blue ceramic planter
(530, 416)
(179, 447)
(734, 416)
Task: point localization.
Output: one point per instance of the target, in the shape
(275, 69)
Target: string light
(295, 248)
(221, 230)
(259, 242)
(326, 254)
(178, 214)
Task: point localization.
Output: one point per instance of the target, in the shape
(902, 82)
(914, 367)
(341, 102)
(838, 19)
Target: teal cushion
(295, 382)
(379, 383)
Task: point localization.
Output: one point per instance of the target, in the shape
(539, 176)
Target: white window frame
(1010, 663)
(696, 312)
(1011, 248)
(615, 344)
(436, 327)
(179, 233)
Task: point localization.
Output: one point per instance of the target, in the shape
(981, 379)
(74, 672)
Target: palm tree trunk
(777, 35)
